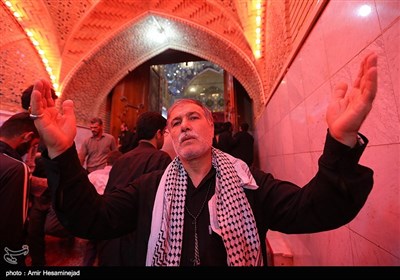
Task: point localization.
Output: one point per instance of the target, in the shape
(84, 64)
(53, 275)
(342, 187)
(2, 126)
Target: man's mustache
(186, 136)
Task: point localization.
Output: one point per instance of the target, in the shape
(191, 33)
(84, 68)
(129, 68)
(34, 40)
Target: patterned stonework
(20, 64)
(92, 44)
(131, 48)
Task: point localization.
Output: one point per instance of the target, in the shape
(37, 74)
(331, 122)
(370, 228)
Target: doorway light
(156, 32)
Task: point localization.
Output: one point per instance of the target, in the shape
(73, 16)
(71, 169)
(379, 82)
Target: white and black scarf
(230, 214)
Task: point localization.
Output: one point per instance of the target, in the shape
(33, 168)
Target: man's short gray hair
(207, 112)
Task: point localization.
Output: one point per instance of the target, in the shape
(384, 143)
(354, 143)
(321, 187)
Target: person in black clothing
(145, 158)
(218, 129)
(41, 203)
(40, 210)
(225, 138)
(17, 135)
(243, 145)
(207, 207)
(126, 139)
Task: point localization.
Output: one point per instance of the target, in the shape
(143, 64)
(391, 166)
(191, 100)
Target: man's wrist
(349, 140)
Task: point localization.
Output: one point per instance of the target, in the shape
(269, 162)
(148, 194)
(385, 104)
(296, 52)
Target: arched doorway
(171, 75)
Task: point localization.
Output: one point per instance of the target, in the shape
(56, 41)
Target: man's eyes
(175, 123)
(178, 122)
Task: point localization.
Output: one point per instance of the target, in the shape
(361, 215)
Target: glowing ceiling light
(156, 32)
(156, 36)
(364, 10)
(257, 12)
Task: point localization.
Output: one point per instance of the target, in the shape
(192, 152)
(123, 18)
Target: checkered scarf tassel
(239, 231)
(169, 244)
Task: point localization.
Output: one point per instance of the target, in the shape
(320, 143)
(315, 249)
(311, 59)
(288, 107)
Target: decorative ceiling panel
(20, 64)
(66, 14)
(107, 18)
(113, 60)
(77, 35)
(71, 31)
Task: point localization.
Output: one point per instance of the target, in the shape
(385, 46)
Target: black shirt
(331, 199)
(207, 238)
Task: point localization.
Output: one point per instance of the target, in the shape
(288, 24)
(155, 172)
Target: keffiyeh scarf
(230, 214)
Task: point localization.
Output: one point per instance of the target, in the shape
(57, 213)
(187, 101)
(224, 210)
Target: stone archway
(98, 73)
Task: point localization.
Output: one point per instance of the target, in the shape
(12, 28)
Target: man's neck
(198, 168)
(151, 141)
(98, 136)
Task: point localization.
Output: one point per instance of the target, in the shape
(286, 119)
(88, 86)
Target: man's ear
(27, 136)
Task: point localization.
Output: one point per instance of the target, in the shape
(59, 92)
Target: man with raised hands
(207, 207)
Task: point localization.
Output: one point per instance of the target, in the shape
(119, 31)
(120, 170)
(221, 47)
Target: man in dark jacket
(126, 139)
(206, 208)
(243, 145)
(17, 135)
(145, 158)
(225, 138)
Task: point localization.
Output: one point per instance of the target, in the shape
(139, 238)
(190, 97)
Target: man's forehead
(184, 109)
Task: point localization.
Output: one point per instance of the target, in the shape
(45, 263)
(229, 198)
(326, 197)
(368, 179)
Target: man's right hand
(57, 130)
